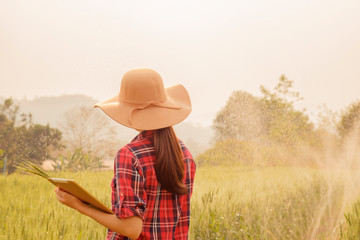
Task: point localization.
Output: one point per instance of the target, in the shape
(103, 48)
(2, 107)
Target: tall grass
(270, 203)
(227, 203)
(350, 229)
(29, 208)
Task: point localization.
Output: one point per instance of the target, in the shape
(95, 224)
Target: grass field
(228, 203)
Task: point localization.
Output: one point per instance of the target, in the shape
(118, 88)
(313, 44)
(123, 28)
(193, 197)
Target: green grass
(227, 203)
(29, 208)
(350, 229)
(270, 203)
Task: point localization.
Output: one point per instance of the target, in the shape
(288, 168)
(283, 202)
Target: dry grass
(228, 203)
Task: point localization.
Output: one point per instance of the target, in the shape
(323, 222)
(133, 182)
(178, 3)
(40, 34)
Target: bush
(243, 153)
(78, 160)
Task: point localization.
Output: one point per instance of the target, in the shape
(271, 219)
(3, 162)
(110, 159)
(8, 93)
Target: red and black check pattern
(136, 192)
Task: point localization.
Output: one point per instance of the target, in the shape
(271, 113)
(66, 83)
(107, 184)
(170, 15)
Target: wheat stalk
(32, 168)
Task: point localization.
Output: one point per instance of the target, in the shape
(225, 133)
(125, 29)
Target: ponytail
(169, 167)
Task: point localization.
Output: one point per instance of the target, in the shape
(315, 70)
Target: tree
(282, 123)
(90, 130)
(24, 140)
(271, 117)
(8, 112)
(327, 120)
(349, 124)
(239, 119)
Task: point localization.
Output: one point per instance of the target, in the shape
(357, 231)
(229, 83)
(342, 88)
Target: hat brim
(151, 117)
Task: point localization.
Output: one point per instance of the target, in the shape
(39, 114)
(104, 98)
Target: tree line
(82, 143)
(269, 130)
(265, 130)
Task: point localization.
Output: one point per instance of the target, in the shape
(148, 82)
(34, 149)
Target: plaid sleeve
(129, 194)
(192, 170)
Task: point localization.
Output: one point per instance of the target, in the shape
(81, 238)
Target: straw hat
(144, 104)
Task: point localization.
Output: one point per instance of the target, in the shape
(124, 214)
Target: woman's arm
(130, 227)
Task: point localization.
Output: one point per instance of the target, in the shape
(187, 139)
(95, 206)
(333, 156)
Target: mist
(212, 48)
(272, 162)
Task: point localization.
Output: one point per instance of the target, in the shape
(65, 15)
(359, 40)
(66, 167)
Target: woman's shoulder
(140, 142)
(138, 151)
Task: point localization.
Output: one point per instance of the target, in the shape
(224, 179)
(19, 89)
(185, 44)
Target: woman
(154, 174)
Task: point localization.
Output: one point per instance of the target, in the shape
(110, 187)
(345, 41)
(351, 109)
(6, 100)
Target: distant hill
(50, 110)
(195, 136)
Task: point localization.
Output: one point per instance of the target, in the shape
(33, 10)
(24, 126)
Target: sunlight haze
(50, 48)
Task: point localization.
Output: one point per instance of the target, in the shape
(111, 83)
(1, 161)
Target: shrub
(78, 160)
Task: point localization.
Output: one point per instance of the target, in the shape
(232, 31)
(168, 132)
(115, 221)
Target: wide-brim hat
(144, 104)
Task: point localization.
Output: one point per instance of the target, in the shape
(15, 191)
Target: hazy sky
(55, 47)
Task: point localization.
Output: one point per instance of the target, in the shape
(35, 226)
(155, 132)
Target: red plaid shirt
(136, 192)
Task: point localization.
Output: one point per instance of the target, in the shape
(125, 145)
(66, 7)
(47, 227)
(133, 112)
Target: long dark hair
(169, 166)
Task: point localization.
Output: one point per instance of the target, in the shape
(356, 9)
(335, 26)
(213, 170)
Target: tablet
(70, 186)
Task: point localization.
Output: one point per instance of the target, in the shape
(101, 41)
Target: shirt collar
(145, 134)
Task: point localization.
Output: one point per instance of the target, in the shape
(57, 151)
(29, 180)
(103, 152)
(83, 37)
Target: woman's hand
(68, 199)
(130, 226)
